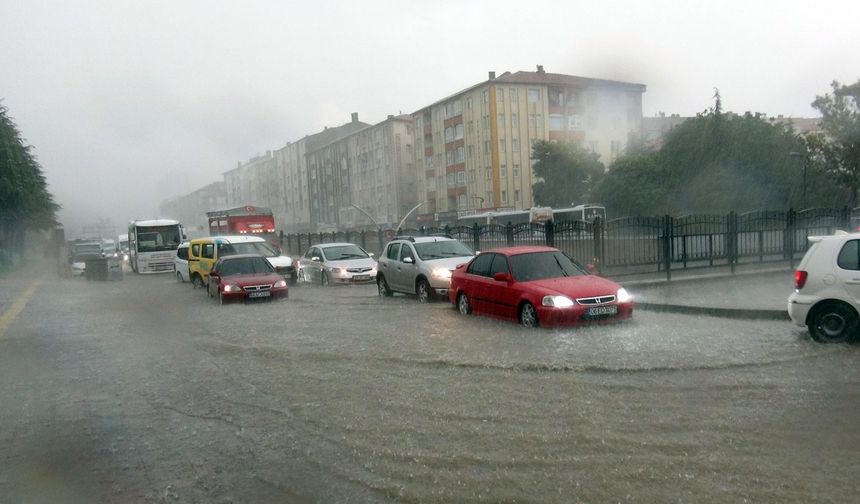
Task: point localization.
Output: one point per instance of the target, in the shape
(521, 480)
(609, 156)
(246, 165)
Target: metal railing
(635, 245)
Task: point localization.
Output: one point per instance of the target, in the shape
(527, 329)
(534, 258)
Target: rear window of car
(849, 256)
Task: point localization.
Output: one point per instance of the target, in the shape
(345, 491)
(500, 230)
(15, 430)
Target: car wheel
(209, 291)
(220, 297)
(463, 304)
(424, 291)
(382, 286)
(833, 323)
(306, 276)
(324, 281)
(528, 315)
(196, 281)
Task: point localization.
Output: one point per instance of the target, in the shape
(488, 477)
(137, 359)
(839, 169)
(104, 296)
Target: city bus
(537, 215)
(152, 244)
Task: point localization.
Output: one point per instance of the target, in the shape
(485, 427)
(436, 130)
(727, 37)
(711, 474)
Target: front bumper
(578, 314)
(349, 277)
(243, 295)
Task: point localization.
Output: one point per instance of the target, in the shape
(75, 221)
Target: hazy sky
(117, 96)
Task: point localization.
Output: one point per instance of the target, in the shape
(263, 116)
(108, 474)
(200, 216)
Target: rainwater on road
(145, 390)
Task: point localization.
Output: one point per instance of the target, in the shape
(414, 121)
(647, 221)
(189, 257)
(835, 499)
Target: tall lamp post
(802, 159)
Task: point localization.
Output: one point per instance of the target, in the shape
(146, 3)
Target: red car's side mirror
(501, 277)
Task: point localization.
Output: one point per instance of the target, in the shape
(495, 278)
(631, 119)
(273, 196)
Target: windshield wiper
(563, 271)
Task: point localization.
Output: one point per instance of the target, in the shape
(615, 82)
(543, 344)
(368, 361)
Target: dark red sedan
(245, 276)
(537, 286)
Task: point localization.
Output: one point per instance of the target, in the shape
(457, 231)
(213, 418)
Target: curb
(733, 313)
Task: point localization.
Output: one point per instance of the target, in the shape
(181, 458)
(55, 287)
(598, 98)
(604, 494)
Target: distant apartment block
(371, 169)
(473, 148)
(191, 209)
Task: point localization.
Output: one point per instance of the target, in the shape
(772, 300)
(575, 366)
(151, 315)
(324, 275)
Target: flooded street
(145, 390)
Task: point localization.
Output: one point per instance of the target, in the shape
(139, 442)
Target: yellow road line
(17, 306)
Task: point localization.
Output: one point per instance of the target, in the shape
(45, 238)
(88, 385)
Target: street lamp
(802, 158)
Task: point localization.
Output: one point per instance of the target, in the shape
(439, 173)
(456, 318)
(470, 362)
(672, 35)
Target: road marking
(17, 306)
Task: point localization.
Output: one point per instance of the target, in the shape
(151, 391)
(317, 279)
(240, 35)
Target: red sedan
(245, 276)
(537, 286)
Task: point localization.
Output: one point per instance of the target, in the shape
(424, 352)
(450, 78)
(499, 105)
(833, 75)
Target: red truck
(248, 219)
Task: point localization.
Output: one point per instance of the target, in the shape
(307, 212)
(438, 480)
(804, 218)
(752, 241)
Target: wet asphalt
(144, 390)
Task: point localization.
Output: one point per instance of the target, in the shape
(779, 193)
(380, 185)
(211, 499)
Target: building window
(515, 145)
(451, 179)
(485, 96)
(469, 103)
(574, 122)
(501, 145)
(501, 121)
(504, 196)
(514, 121)
(471, 151)
(534, 95)
(462, 202)
(516, 170)
(449, 134)
(461, 178)
(431, 184)
(486, 146)
(517, 195)
(513, 94)
(487, 173)
(503, 171)
(458, 131)
(556, 122)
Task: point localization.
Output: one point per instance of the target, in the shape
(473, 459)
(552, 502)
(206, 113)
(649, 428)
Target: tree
(836, 152)
(25, 203)
(566, 173)
(715, 162)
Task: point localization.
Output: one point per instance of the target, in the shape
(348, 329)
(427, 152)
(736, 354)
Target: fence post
(549, 233)
(733, 240)
(379, 237)
(363, 238)
(597, 231)
(789, 234)
(845, 218)
(667, 245)
(509, 233)
(289, 244)
(476, 236)
(447, 230)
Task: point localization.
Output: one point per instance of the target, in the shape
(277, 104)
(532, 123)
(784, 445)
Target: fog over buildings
(129, 103)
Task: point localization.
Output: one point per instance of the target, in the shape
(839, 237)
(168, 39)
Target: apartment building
(371, 169)
(472, 149)
(253, 183)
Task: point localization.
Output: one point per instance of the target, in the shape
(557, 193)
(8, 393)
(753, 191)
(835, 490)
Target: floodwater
(145, 390)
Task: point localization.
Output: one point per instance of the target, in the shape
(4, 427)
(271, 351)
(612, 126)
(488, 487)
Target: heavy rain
(272, 253)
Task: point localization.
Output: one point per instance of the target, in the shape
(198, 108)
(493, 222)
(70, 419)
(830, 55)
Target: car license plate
(603, 310)
(259, 294)
(361, 277)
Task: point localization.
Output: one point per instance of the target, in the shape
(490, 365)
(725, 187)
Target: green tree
(836, 152)
(714, 162)
(25, 203)
(566, 173)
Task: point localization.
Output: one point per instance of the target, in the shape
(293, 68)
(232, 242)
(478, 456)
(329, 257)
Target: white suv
(826, 295)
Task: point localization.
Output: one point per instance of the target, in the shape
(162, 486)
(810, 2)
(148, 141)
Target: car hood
(576, 286)
(79, 265)
(259, 279)
(448, 262)
(364, 262)
(280, 261)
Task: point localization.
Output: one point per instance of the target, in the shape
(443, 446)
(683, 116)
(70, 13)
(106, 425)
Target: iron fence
(633, 245)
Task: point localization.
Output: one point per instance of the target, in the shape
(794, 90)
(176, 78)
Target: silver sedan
(337, 263)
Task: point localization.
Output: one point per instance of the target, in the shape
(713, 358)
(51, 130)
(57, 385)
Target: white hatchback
(826, 296)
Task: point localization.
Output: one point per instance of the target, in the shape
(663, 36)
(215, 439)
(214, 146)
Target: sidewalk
(759, 294)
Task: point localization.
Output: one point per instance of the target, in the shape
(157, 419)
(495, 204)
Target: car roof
(338, 244)
(228, 239)
(423, 239)
(522, 249)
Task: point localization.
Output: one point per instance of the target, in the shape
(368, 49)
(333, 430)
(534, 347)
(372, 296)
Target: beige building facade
(472, 149)
(191, 209)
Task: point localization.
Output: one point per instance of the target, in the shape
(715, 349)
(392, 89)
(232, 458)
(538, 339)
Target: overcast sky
(117, 96)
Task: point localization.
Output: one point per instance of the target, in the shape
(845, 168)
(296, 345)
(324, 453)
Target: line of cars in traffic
(536, 286)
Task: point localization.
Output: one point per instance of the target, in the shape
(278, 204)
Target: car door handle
(853, 281)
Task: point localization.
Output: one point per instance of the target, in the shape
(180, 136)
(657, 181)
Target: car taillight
(800, 279)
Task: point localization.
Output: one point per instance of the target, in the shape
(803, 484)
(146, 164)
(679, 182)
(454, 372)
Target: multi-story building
(473, 148)
(253, 183)
(191, 209)
(371, 169)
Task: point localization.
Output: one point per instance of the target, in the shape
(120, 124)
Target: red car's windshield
(541, 265)
(245, 266)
